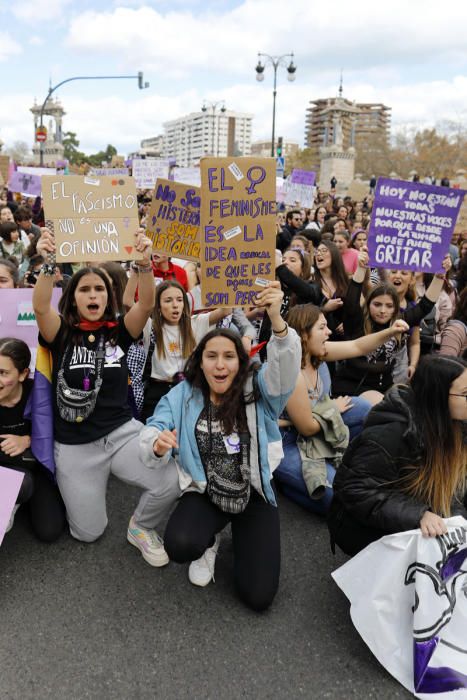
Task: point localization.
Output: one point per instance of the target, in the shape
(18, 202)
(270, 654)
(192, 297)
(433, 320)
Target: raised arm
(346, 349)
(47, 318)
(138, 314)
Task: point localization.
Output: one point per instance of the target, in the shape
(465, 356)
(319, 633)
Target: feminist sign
(173, 220)
(412, 224)
(238, 212)
(95, 218)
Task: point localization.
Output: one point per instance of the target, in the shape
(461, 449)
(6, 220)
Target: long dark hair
(302, 318)
(119, 281)
(69, 312)
(231, 410)
(186, 332)
(385, 288)
(17, 351)
(338, 273)
(442, 473)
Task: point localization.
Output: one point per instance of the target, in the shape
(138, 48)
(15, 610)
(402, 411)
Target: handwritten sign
(358, 190)
(173, 219)
(111, 172)
(189, 176)
(238, 214)
(10, 484)
(4, 165)
(29, 185)
(299, 187)
(147, 171)
(94, 218)
(412, 224)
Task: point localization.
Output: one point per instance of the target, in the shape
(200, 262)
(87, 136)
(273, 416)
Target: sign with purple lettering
(173, 220)
(25, 183)
(412, 224)
(10, 484)
(238, 229)
(303, 177)
(408, 602)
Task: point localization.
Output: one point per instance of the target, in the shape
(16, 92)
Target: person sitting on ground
(408, 468)
(314, 425)
(38, 490)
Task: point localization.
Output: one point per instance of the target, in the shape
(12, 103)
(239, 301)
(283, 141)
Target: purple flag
(25, 183)
(412, 224)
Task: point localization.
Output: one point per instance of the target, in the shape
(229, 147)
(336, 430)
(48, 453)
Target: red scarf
(95, 325)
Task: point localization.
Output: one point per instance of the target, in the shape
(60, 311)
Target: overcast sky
(409, 54)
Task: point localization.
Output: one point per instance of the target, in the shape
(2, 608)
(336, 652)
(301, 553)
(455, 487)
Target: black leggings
(45, 505)
(256, 542)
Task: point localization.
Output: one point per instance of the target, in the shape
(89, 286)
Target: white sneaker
(149, 543)
(201, 571)
(12, 518)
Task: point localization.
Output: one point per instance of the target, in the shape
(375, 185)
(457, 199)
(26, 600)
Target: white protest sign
(147, 170)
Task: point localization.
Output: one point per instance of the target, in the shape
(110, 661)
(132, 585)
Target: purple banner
(10, 484)
(25, 183)
(412, 224)
(303, 177)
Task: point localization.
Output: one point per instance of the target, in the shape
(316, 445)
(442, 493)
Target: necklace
(313, 391)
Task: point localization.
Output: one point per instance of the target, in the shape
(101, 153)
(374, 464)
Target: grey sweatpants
(83, 471)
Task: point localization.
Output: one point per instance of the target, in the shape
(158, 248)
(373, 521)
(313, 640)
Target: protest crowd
(340, 384)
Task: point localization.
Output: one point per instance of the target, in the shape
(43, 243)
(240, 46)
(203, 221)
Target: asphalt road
(95, 621)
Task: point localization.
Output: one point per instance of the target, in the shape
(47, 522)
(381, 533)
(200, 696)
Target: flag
(40, 410)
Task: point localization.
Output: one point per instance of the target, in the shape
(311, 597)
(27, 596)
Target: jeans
(289, 472)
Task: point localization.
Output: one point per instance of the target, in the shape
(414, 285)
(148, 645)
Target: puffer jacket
(367, 484)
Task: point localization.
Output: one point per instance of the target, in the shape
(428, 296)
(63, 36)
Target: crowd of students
(344, 387)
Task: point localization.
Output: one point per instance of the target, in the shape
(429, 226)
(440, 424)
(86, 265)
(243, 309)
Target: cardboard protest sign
(94, 218)
(408, 603)
(238, 229)
(29, 185)
(10, 484)
(146, 171)
(173, 220)
(299, 188)
(357, 190)
(411, 225)
(461, 223)
(4, 165)
(17, 319)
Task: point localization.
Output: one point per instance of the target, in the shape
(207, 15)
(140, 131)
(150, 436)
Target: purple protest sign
(10, 484)
(303, 177)
(25, 183)
(412, 224)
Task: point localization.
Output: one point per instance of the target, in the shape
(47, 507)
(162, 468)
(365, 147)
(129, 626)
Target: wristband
(143, 268)
(48, 269)
(281, 331)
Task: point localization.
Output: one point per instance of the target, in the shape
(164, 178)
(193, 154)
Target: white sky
(411, 55)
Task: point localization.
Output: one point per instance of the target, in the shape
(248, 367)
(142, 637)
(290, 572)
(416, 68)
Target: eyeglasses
(463, 396)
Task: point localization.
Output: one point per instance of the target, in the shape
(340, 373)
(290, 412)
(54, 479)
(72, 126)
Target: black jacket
(365, 485)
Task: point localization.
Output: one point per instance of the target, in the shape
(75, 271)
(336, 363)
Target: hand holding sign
(143, 245)
(270, 298)
(447, 264)
(46, 243)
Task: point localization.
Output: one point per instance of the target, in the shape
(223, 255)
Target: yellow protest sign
(238, 230)
(461, 223)
(173, 219)
(95, 218)
(4, 165)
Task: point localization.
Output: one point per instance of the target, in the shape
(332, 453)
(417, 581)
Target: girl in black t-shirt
(46, 511)
(95, 434)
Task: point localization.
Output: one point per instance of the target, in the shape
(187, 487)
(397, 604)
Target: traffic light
(141, 83)
(279, 147)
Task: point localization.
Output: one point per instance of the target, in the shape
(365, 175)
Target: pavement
(81, 621)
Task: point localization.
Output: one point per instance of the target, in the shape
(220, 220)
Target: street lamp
(213, 106)
(275, 62)
(139, 77)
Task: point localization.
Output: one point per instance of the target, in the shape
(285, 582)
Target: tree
(19, 152)
(71, 153)
(97, 159)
